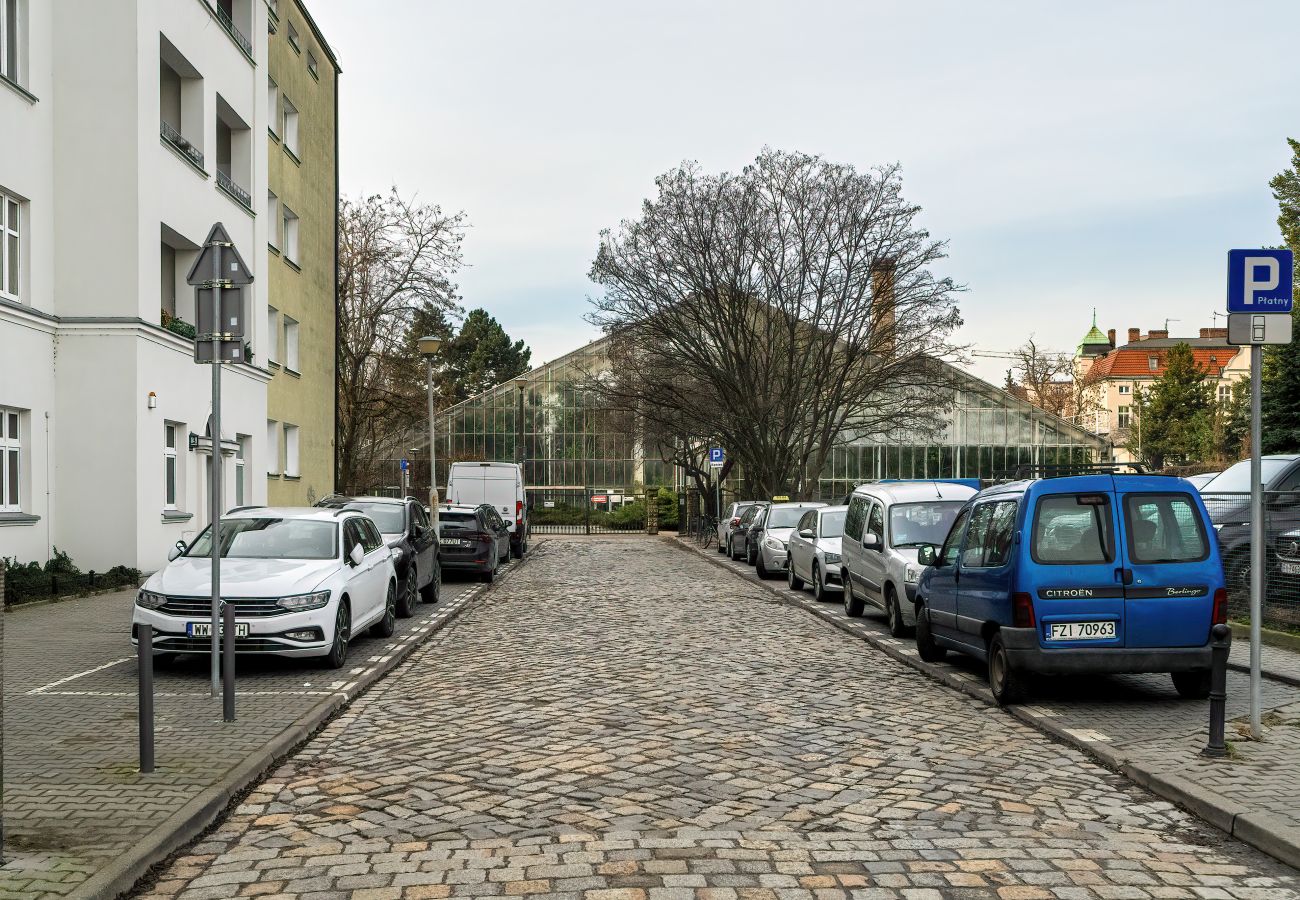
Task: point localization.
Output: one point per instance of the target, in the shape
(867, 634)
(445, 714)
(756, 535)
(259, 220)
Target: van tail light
(519, 513)
(1220, 616)
(1022, 610)
(735, 520)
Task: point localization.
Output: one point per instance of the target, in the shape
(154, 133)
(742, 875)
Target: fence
(29, 583)
(1230, 514)
(583, 510)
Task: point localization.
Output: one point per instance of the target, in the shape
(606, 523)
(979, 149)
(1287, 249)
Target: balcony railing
(226, 184)
(177, 140)
(224, 18)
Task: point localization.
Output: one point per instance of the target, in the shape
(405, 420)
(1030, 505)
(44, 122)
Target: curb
(190, 822)
(1263, 831)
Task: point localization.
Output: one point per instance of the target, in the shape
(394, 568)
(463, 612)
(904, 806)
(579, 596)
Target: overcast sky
(1073, 154)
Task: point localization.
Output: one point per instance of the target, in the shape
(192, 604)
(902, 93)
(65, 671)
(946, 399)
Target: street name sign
(1259, 281)
(1245, 329)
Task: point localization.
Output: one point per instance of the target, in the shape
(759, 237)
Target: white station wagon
(302, 582)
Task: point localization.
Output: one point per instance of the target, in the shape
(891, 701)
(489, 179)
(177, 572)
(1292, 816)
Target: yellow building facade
(302, 206)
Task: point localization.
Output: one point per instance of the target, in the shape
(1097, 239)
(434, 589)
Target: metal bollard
(1221, 641)
(144, 665)
(228, 662)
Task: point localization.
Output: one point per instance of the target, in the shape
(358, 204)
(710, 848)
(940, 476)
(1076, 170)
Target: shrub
(59, 577)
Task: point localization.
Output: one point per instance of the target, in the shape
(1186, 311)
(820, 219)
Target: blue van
(1076, 574)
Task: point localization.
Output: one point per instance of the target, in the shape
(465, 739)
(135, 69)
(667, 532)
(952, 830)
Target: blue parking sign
(716, 456)
(1259, 281)
(405, 465)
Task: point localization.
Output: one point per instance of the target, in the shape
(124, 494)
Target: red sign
(600, 498)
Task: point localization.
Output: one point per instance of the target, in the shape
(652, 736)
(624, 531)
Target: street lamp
(520, 383)
(428, 346)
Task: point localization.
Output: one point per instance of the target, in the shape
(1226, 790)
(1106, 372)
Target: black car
(1227, 498)
(406, 527)
(473, 539)
(753, 533)
(736, 548)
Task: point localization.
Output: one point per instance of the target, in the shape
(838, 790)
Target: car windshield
(833, 524)
(785, 516)
(388, 517)
(917, 524)
(271, 539)
(1236, 478)
(457, 520)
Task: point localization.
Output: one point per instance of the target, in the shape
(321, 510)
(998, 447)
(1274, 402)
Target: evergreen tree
(479, 357)
(1280, 400)
(1176, 414)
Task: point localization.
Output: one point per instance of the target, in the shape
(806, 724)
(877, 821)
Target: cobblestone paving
(73, 796)
(622, 721)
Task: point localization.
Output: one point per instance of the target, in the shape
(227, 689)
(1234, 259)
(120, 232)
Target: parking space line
(53, 684)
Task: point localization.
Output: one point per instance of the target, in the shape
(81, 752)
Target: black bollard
(1220, 641)
(144, 665)
(228, 662)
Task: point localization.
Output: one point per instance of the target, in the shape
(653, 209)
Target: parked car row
(1069, 573)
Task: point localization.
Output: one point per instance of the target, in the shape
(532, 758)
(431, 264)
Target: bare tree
(785, 310)
(1048, 378)
(395, 255)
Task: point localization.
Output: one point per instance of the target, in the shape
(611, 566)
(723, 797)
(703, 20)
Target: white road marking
(45, 687)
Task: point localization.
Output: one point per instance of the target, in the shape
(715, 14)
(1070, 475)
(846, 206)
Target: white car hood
(192, 577)
(781, 534)
(829, 544)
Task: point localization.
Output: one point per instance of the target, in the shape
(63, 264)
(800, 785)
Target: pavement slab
(622, 720)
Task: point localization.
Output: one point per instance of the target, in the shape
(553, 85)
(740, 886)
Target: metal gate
(584, 510)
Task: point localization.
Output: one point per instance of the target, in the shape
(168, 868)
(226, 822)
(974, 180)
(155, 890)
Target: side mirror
(356, 555)
(927, 555)
(871, 541)
(177, 550)
(806, 533)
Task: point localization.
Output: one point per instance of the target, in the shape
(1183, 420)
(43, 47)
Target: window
(11, 38)
(273, 219)
(989, 538)
(1074, 529)
(272, 447)
(241, 456)
(854, 518)
(915, 524)
(1125, 416)
(1164, 528)
(11, 467)
(370, 539)
(291, 450)
(170, 474)
(1153, 363)
(1225, 393)
(273, 105)
(876, 522)
(952, 543)
(289, 234)
(10, 244)
(289, 125)
(267, 538)
(312, 66)
(167, 278)
(294, 41)
(291, 344)
(1125, 389)
(808, 522)
(234, 153)
(272, 334)
(972, 549)
(180, 103)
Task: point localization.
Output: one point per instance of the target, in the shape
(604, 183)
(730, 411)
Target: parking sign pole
(1256, 537)
(215, 504)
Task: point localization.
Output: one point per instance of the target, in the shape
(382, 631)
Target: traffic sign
(599, 498)
(405, 465)
(717, 457)
(232, 312)
(1245, 329)
(234, 270)
(1259, 281)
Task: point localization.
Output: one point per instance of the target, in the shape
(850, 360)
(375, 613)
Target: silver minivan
(886, 524)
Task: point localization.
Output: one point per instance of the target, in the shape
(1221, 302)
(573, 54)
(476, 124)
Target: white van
(501, 486)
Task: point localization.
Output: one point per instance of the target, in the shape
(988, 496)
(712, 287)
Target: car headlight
(774, 544)
(832, 558)
(150, 600)
(303, 602)
(912, 575)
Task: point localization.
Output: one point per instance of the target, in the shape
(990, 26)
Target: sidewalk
(1137, 725)
(80, 820)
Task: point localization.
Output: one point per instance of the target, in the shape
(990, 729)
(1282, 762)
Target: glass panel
(1164, 528)
(1073, 528)
(169, 469)
(13, 222)
(13, 426)
(12, 265)
(13, 478)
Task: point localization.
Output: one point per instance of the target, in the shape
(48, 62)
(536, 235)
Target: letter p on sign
(1259, 281)
(1262, 274)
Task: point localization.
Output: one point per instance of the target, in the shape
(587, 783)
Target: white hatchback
(302, 582)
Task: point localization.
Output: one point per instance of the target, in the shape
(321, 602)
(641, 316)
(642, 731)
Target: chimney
(1134, 335)
(882, 306)
(1221, 333)
(1110, 336)
(1155, 334)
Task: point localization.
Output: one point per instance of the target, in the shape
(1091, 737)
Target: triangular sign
(233, 267)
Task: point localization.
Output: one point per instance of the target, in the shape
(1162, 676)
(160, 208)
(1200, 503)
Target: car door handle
(1124, 576)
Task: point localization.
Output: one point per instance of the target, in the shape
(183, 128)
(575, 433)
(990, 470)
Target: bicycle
(707, 532)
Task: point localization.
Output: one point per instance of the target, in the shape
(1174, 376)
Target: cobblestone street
(623, 720)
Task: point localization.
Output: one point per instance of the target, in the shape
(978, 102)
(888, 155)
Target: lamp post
(520, 383)
(428, 346)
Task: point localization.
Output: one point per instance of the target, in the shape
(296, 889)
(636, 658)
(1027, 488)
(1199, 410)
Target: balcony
(238, 36)
(177, 140)
(227, 184)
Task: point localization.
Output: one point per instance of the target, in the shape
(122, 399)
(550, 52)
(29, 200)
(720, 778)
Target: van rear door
(1172, 569)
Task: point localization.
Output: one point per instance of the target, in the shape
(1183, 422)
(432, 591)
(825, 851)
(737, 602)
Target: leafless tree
(784, 310)
(395, 255)
(1048, 378)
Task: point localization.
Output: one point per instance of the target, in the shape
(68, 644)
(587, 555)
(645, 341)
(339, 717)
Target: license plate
(204, 629)
(1080, 631)
(1289, 568)
(455, 542)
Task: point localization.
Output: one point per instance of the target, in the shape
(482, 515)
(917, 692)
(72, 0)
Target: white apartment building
(126, 130)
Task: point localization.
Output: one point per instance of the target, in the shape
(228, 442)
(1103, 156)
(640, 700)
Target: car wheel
(517, 549)
(818, 584)
(762, 567)
(750, 555)
(895, 613)
(1193, 685)
(429, 593)
(926, 648)
(406, 604)
(731, 549)
(853, 606)
(490, 575)
(388, 623)
(338, 654)
(1008, 685)
(722, 548)
(795, 582)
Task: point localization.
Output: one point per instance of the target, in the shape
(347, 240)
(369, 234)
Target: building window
(10, 244)
(272, 447)
(234, 153)
(312, 66)
(1125, 416)
(1153, 363)
(273, 219)
(273, 105)
(291, 344)
(294, 42)
(289, 125)
(12, 45)
(1225, 393)
(289, 233)
(11, 451)
(241, 454)
(180, 102)
(272, 334)
(171, 479)
(291, 450)
(1125, 389)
